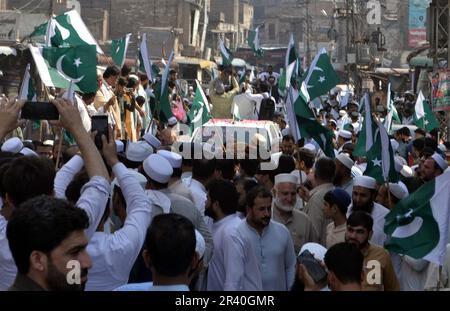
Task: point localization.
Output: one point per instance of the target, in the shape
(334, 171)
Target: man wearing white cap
(343, 178)
(324, 170)
(270, 241)
(343, 138)
(113, 255)
(284, 211)
(152, 140)
(158, 172)
(398, 192)
(136, 153)
(363, 198)
(433, 167)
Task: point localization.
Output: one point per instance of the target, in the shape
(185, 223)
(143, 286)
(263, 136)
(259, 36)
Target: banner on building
(417, 32)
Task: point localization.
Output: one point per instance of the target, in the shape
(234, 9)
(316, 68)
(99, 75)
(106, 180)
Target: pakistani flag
(119, 49)
(418, 225)
(254, 43)
(57, 67)
(308, 125)
(27, 90)
(366, 137)
(199, 113)
(289, 67)
(162, 94)
(145, 63)
(67, 29)
(227, 56)
(320, 77)
(380, 157)
(392, 111)
(423, 116)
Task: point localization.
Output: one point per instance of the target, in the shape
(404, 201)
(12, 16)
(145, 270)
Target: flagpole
(389, 194)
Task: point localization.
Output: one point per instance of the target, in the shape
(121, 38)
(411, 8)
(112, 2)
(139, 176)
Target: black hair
(172, 71)
(257, 192)
(331, 199)
(288, 137)
(132, 83)
(226, 167)
(125, 71)
(307, 157)
(170, 242)
(86, 96)
(419, 143)
(73, 190)
(224, 192)
(111, 71)
(431, 143)
(325, 169)
(249, 166)
(122, 82)
(345, 260)
(286, 164)
(28, 177)
(360, 218)
(420, 131)
(202, 168)
(41, 224)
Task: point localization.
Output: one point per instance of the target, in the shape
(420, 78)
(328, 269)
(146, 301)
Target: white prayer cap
(288, 178)
(200, 245)
(356, 171)
(119, 146)
(394, 145)
(138, 151)
(443, 164)
(286, 131)
(345, 134)
(172, 121)
(310, 147)
(442, 147)
(152, 140)
(406, 171)
(342, 113)
(317, 250)
(13, 145)
(174, 158)
(345, 160)
(48, 142)
(158, 168)
(365, 182)
(398, 190)
(140, 178)
(133, 76)
(28, 152)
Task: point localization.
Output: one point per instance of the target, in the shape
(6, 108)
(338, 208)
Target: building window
(271, 31)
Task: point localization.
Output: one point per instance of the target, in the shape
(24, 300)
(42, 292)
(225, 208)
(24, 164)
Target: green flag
(365, 139)
(119, 49)
(380, 157)
(418, 225)
(391, 111)
(288, 73)
(254, 43)
(67, 29)
(145, 63)
(321, 77)
(227, 56)
(308, 125)
(162, 94)
(423, 116)
(199, 113)
(58, 66)
(27, 90)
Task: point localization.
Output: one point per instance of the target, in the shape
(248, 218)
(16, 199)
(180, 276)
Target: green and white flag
(308, 125)
(227, 56)
(199, 113)
(162, 94)
(423, 116)
(58, 66)
(380, 157)
(392, 111)
(320, 77)
(366, 137)
(27, 90)
(418, 225)
(145, 63)
(119, 49)
(254, 42)
(66, 30)
(289, 67)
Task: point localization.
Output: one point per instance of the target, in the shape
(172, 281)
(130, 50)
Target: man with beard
(48, 243)
(433, 167)
(221, 206)
(288, 144)
(284, 211)
(268, 240)
(363, 199)
(343, 178)
(359, 231)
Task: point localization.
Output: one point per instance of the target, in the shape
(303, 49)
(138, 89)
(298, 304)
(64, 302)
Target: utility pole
(308, 35)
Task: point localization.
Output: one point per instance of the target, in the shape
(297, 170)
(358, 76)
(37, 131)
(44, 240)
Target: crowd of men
(138, 214)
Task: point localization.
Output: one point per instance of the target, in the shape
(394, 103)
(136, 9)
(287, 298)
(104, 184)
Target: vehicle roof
(242, 123)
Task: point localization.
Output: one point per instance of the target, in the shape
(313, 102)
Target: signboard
(441, 90)
(417, 32)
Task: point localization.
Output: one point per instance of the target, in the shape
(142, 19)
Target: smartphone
(39, 111)
(100, 124)
(315, 269)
